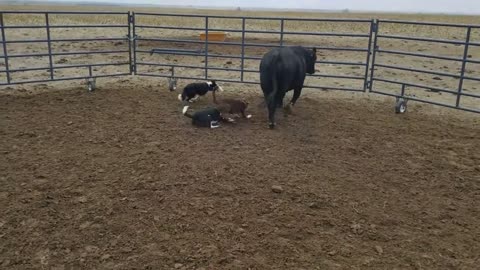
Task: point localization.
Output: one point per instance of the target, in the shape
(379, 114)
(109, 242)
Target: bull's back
(284, 65)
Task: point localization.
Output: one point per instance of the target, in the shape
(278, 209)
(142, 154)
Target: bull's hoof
(271, 125)
(287, 109)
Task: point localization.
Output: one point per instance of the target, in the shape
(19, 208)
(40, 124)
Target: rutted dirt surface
(119, 179)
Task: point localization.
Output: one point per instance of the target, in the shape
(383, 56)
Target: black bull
(282, 70)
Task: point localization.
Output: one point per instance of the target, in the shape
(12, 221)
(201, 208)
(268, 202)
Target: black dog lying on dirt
(210, 117)
(194, 90)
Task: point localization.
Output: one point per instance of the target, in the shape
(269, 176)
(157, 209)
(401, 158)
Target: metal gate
(424, 82)
(166, 45)
(58, 56)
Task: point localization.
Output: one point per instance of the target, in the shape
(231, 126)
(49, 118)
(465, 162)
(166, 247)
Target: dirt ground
(119, 179)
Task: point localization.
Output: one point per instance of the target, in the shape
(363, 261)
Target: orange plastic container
(214, 36)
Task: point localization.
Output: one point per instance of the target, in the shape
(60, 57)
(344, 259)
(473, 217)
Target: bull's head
(311, 59)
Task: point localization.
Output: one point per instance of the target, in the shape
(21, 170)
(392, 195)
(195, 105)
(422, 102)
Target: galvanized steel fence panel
(83, 46)
(205, 55)
(458, 50)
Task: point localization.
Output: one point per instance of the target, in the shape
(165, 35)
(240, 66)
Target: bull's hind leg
(296, 95)
(280, 99)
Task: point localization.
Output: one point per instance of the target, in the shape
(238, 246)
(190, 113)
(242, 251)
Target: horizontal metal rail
(210, 42)
(249, 44)
(67, 26)
(420, 55)
(254, 31)
(419, 71)
(246, 70)
(164, 50)
(471, 78)
(431, 56)
(63, 53)
(229, 56)
(66, 79)
(428, 72)
(253, 18)
(247, 82)
(64, 67)
(201, 53)
(430, 23)
(65, 40)
(473, 61)
(324, 34)
(426, 87)
(65, 12)
(433, 40)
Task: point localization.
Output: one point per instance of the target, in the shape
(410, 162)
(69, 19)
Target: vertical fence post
(464, 64)
(243, 49)
(369, 55)
(376, 27)
(403, 90)
(282, 25)
(206, 47)
(129, 40)
(134, 44)
(47, 22)
(5, 54)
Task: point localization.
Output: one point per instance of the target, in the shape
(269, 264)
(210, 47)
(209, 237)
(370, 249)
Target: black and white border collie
(209, 117)
(194, 90)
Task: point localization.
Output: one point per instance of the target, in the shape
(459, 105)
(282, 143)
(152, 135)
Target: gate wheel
(401, 105)
(91, 82)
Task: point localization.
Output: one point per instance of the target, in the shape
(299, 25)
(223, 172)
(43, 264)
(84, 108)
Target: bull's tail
(185, 112)
(273, 95)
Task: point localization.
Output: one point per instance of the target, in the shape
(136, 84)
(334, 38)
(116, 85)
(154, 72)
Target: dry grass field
(119, 179)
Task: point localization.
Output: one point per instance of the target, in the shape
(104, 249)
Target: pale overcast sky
(429, 6)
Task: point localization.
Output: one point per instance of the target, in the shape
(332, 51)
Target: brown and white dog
(233, 107)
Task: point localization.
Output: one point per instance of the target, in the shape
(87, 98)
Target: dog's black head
(214, 86)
